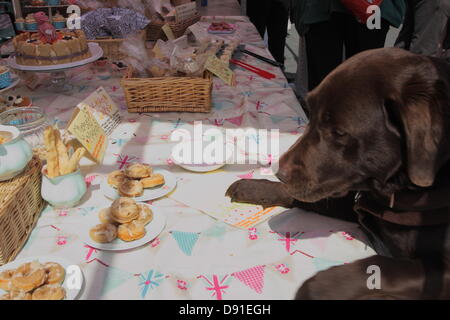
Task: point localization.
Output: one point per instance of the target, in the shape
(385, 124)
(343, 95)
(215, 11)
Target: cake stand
(58, 71)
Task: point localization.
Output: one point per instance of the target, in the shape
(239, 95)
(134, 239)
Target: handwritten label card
(185, 11)
(221, 70)
(103, 108)
(88, 132)
(168, 32)
(200, 33)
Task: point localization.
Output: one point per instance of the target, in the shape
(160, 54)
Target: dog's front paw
(262, 192)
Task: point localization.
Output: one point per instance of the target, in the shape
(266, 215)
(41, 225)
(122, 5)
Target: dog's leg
(263, 192)
(268, 194)
(378, 277)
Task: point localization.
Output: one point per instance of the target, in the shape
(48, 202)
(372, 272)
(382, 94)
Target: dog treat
(59, 162)
(52, 153)
(75, 160)
(63, 156)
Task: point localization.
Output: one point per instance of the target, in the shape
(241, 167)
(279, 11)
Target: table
(196, 256)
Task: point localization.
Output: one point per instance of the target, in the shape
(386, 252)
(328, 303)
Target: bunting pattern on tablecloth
(252, 278)
(185, 240)
(114, 278)
(150, 280)
(216, 284)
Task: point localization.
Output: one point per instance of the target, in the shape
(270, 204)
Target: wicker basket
(111, 46)
(168, 94)
(20, 207)
(155, 32)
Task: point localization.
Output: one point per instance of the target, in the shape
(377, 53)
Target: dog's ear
(415, 111)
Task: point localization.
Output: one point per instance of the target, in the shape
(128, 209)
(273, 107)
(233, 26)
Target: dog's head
(380, 115)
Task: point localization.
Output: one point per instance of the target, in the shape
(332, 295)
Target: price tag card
(168, 31)
(103, 108)
(85, 128)
(185, 11)
(221, 70)
(200, 33)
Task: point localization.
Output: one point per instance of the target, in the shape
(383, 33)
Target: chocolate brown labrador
(376, 151)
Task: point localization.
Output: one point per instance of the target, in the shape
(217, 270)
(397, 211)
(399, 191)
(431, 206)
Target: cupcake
(30, 23)
(22, 102)
(20, 24)
(59, 22)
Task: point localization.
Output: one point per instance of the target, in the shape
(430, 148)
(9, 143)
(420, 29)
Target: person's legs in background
(277, 24)
(406, 33)
(258, 12)
(324, 48)
(359, 38)
(430, 22)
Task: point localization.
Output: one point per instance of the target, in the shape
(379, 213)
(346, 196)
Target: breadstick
(63, 157)
(75, 159)
(52, 154)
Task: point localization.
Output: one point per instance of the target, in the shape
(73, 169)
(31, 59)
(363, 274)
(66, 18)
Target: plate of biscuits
(138, 181)
(39, 278)
(125, 225)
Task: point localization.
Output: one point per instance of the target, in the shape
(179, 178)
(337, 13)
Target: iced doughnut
(124, 210)
(105, 216)
(49, 292)
(103, 233)
(138, 171)
(115, 178)
(131, 188)
(153, 181)
(145, 214)
(29, 276)
(131, 231)
(55, 273)
(6, 279)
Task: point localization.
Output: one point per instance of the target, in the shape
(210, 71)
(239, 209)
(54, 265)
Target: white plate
(94, 48)
(149, 194)
(204, 167)
(200, 168)
(71, 294)
(153, 229)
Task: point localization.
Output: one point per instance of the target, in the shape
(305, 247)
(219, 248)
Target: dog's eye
(338, 133)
